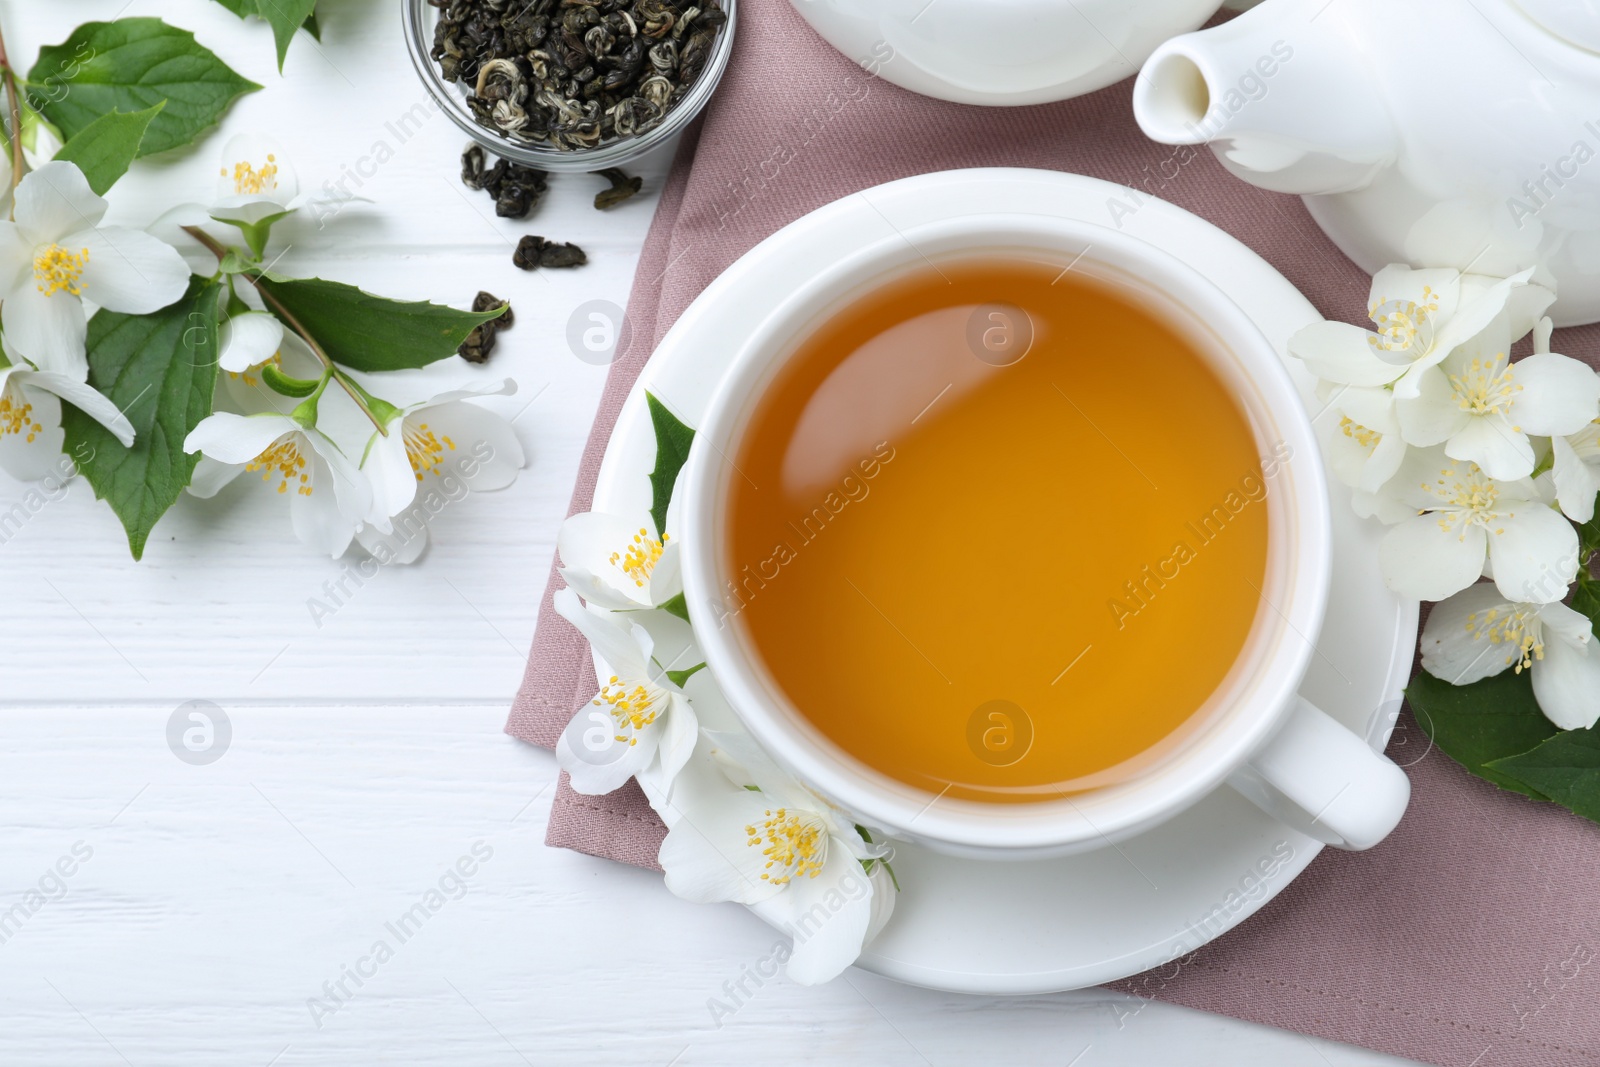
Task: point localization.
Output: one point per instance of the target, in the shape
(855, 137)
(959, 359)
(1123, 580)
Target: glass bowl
(450, 97)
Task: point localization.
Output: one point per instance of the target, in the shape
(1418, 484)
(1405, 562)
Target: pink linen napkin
(1470, 937)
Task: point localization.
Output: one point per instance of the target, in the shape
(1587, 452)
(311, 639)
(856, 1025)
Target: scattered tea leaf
(622, 187)
(373, 333)
(480, 343)
(516, 188)
(673, 439)
(486, 301)
(107, 147)
(130, 65)
(534, 251)
(161, 370)
(1479, 724)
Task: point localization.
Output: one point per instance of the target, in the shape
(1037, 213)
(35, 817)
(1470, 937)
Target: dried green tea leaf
(622, 187)
(534, 251)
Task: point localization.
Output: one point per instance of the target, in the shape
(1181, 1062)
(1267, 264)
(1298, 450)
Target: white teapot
(1438, 133)
(1001, 52)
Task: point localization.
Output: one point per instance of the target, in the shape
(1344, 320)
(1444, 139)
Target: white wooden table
(227, 913)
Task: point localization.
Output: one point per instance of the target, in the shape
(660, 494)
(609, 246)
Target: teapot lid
(1574, 21)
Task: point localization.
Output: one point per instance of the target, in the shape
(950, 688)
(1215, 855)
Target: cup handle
(1324, 781)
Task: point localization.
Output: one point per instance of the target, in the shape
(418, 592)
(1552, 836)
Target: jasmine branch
(14, 105)
(355, 392)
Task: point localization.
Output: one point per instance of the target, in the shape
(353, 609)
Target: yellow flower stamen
(1402, 323)
(285, 460)
(631, 709)
(640, 558)
(16, 416)
(1360, 434)
(55, 269)
(1518, 627)
(249, 180)
(425, 449)
(796, 845)
(1483, 390)
(248, 375)
(1466, 500)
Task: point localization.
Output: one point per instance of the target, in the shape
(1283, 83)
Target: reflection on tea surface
(998, 529)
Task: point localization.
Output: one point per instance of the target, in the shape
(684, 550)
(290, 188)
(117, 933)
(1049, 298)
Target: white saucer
(1082, 920)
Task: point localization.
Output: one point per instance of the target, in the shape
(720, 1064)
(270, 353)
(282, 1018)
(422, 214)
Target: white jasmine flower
(1421, 317)
(1575, 471)
(758, 837)
(30, 418)
(244, 389)
(1482, 407)
(56, 254)
(1365, 448)
(1464, 519)
(437, 450)
(247, 340)
(327, 495)
(617, 562)
(1478, 633)
(256, 182)
(1574, 477)
(637, 725)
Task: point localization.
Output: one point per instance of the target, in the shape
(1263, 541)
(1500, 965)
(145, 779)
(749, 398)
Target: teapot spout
(1282, 94)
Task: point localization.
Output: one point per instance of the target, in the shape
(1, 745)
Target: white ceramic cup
(1254, 734)
(1000, 52)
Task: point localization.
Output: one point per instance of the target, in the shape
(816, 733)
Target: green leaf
(1586, 598)
(678, 606)
(107, 147)
(372, 333)
(677, 678)
(1589, 536)
(673, 439)
(1480, 723)
(256, 234)
(161, 370)
(1564, 768)
(285, 17)
(130, 65)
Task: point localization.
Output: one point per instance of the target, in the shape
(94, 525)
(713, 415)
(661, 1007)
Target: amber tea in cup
(997, 530)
